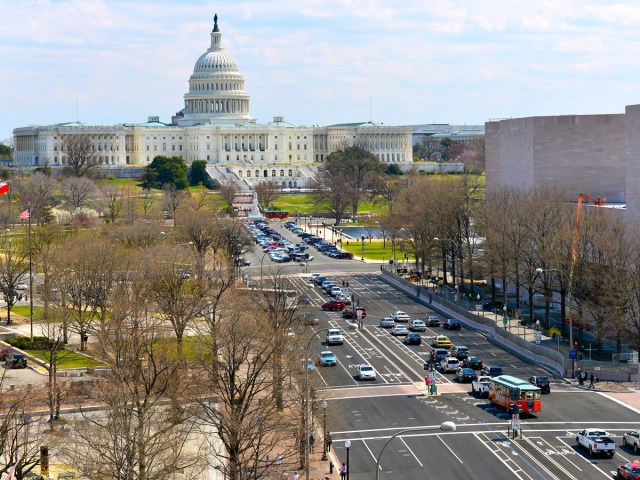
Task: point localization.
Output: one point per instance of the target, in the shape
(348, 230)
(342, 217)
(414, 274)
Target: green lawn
(303, 203)
(23, 310)
(68, 359)
(374, 250)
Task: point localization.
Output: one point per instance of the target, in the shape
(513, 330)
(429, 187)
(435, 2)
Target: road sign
(538, 337)
(572, 354)
(515, 417)
(359, 314)
(432, 377)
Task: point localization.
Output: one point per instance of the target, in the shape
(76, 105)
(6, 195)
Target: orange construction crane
(600, 201)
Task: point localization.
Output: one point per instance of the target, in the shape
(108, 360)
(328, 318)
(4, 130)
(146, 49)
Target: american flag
(25, 215)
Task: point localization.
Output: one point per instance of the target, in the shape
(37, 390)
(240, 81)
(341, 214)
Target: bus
(506, 391)
(276, 214)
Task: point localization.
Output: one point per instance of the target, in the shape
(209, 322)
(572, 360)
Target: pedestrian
(591, 380)
(427, 384)
(296, 476)
(329, 440)
(277, 462)
(579, 376)
(312, 441)
(343, 472)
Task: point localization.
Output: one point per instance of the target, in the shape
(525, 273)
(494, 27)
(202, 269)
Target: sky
(320, 62)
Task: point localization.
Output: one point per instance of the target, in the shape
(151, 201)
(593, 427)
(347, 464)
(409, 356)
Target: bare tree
(78, 191)
(267, 192)
(113, 200)
(78, 153)
(229, 193)
(197, 227)
(172, 199)
(14, 266)
(333, 193)
(199, 200)
(138, 235)
(147, 200)
(38, 191)
(22, 430)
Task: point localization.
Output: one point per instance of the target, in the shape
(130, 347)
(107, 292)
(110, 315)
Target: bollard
(330, 467)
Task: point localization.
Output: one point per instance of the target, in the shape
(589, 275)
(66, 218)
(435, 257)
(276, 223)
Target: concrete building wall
(580, 153)
(632, 135)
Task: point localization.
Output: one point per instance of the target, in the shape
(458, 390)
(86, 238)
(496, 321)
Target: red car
(334, 305)
(5, 352)
(629, 470)
(351, 314)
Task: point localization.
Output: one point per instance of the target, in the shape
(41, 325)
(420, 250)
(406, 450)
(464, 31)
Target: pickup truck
(596, 441)
(481, 386)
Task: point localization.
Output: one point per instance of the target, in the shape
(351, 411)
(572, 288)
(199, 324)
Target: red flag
(25, 215)
(4, 187)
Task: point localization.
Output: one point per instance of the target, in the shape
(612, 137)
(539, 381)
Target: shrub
(38, 343)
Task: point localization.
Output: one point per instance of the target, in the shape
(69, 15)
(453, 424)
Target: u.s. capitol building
(216, 125)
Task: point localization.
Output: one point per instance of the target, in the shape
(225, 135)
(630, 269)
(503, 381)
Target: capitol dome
(216, 88)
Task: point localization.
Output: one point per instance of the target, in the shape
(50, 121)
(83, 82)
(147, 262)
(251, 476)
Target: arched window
(248, 173)
(282, 173)
(290, 173)
(266, 173)
(273, 172)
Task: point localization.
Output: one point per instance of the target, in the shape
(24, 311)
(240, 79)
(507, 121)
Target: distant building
(216, 125)
(459, 133)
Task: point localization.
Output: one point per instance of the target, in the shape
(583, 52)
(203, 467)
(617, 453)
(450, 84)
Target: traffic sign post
(515, 425)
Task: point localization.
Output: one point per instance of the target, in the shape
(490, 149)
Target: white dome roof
(215, 61)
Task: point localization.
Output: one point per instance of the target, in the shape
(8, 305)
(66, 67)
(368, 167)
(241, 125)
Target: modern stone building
(594, 154)
(216, 125)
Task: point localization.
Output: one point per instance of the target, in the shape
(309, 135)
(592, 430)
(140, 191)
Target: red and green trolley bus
(506, 391)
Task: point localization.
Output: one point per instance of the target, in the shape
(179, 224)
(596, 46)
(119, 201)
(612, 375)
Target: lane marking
(449, 448)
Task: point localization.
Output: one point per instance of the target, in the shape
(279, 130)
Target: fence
(443, 301)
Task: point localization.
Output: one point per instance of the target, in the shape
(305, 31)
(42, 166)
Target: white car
(387, 322)
(366, 372)
(418, 326)
(313, 276)
(335, 291)
(334, 337)
(399, 330)
(450, 364)
(400, 316)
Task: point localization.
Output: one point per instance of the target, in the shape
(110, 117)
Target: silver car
(632, 440)
(387, 322)
(366, 372)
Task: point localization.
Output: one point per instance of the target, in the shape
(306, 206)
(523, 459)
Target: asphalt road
(369, 413)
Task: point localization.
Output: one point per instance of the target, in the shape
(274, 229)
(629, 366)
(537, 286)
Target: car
(450, 364)
(309, 364)
(351, 314)
(472, 362)
(333, 305)
(433, 321)
(542, 383)
(632, 440)
(325, 284)
(304, 299)
(493, 306)
(481, 386)
(465, 375)
(334, 337)
(327, 359)
(399, 330)
(313, 276)
(366, 372)
(313, 321)
(491, 371)
(413, 339)
(460, 352)
(335, 291)
(629, 470)
(438, 354)
(5, 352)
(23, 287)
(319, 280)
(400, 316)
(387, 322)
(452, 324)
(418, 326)
(16, 360)
(441, 341)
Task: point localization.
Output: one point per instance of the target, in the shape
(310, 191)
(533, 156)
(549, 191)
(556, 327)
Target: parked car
(16, 360)
(418, 326)
(5, 352)
(438, 354)
(452, 324)
(442, 341)
(387, 322)
(309, 364)
(351, 314)
(304, 299)
(400, 316)
(491, 370)
(413, 339)
(334, 337)
(542, 383)
(632, 439)
(629, 470)
(366, 372)
(472, 362)
(327, 359)
(465, 375)
(399, 330)
(450, 364)
(433, 321)
(335, 291)
(333, 305)
(460, 352)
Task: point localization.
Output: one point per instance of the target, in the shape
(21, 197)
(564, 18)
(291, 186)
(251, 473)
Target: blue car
(327, 359)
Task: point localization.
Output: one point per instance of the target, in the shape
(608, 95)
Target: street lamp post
(324, 430)
(444, 426)
(347, 445)
(306, 403)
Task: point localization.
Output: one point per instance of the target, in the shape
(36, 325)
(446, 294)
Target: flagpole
(30, 278)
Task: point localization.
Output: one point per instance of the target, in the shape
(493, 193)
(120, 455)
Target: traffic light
(347, 283)
(576, 344)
